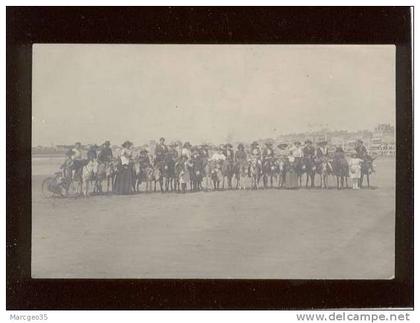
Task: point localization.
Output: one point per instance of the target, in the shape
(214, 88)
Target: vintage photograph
(213, 161)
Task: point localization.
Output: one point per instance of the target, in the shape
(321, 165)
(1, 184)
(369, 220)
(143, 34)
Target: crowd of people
(186, 162)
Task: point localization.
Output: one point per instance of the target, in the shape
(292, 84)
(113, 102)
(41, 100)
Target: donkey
(168, 173)
(106, 172)
(216, 174)
(196, 173)
(255, 172)
(324, 169)
(366, 170)
(270, 171)
(340, 168)
(89, 175)
(152, 177)
(309, 170)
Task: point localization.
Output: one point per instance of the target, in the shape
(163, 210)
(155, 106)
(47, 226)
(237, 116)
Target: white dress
(355, 167)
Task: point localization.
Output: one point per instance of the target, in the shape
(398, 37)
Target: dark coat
(105, 155)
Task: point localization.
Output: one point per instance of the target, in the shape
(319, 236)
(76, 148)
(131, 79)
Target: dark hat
(143, 151)
(268, 143)
(297, 143)
(161, 138)
(254, 143)
(229, 145)
(240, 146)
(127, 144)
(77, 143)
(324, 142)
(107, 143)
(308, 141)
(187, 144)
(282, 146)
(339, 150)
(360, 140)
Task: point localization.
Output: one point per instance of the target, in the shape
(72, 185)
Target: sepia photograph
(233, 161)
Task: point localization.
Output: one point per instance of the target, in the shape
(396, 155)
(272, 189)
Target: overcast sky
(91, 93)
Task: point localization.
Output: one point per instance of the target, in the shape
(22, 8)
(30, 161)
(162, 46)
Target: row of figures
(196, 168)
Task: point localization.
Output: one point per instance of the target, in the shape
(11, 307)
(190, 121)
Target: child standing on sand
(355, 170)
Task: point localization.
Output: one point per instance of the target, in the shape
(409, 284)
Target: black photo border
(199, 25)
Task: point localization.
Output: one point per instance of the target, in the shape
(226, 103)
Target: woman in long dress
(124, 178)
(355, 166)
(291, 180)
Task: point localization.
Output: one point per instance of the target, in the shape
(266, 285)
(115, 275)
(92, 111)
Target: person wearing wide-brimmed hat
(186, 150)
(160, 151)
(76, 156)
(361, 149)
(105, 154)
(268, 151)
(144, 159)
(255, 151)
(228, 152)
(241, 159)
(240, 154)
(91, 153)
(68, 164)
(195, 152)
(322, 150)
(77, 151)
(219, 155)
(124, 178)
(296, 150)
(308, 150)
(204, 151)
(172, 151)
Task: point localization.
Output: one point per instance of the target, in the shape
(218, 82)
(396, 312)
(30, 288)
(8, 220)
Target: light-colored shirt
(125, 156)
(355, 163)
(186, 152)
(297, 152)
(256, 152)
(218, 156)
(77, 154)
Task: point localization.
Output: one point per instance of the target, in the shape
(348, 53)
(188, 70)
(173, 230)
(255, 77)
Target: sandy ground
(280, 234)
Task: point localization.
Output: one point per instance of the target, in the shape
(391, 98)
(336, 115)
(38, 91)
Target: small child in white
(355, 164)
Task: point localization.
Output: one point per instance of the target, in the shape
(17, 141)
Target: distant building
(383, 140)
